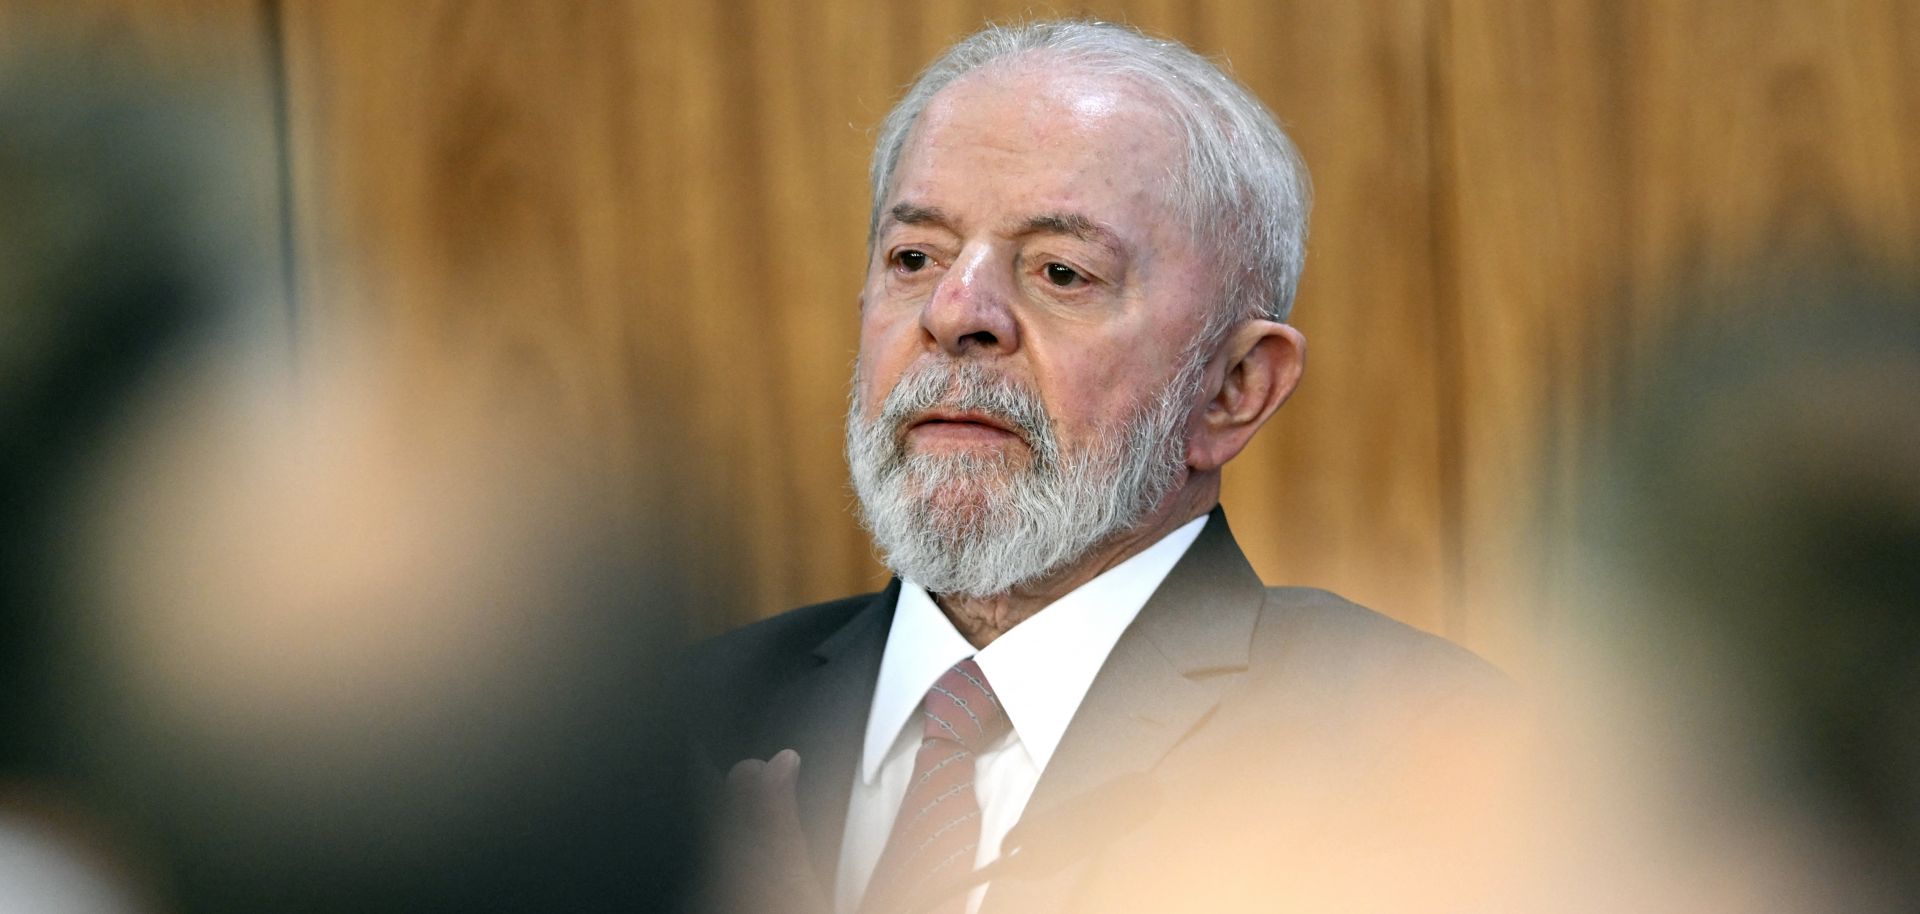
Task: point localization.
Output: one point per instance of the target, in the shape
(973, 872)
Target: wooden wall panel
(644, 223)
(452, 202)
(660, 205)
(1343, 490)
(1764, 129)
(1602, 161)
(530, 200)
(447, 153)
(1533, 157)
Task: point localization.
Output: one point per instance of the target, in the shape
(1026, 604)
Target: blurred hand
(762, 864)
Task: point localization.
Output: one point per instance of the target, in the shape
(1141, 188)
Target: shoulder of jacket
(1329, 633)
(794, 631)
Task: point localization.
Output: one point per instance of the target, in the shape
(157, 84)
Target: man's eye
(1062, 275)
(911, 261)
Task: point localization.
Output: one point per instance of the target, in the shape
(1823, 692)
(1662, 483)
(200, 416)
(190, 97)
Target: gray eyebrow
(1071, 224)
(911, 214)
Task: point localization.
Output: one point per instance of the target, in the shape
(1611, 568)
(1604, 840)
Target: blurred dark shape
(102, 278)
(273, 649)
(1753, 546)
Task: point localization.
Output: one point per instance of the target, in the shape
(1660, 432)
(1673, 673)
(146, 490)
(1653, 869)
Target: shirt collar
(1040, 669)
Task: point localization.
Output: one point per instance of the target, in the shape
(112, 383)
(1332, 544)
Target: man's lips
(960, 425)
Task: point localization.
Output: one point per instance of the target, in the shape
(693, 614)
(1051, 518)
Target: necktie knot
(962, 708)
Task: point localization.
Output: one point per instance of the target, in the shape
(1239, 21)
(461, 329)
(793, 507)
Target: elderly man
(1076, 694)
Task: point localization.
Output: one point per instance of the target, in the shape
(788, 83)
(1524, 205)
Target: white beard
(979, 526)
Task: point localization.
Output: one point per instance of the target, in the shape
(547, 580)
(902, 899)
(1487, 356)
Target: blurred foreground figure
(1076, 695)
(340, 645)
(1740, 692)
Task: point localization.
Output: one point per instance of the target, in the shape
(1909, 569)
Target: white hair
(1243, 194)
(978, 526)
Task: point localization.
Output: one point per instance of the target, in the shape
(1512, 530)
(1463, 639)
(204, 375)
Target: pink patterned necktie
(937, 831)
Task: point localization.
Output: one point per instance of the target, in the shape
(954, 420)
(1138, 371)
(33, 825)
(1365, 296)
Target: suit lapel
(1164, 675)
(829, 716)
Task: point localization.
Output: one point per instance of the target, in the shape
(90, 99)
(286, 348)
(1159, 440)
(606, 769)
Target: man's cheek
(870, 384)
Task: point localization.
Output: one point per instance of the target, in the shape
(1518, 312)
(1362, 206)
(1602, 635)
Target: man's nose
(972, 308)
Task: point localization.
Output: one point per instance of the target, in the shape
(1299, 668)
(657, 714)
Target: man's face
(1030, 299)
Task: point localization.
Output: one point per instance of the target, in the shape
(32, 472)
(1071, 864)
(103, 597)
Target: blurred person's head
(1084, 242)
(329, 645)
(1749, 576)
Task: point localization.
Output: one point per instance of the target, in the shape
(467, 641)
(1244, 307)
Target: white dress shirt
(1040, 670)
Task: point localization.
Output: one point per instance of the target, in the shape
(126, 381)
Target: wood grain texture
(1603, 163)
(630, 215)
(1343, 490)
(644, 223)
(1533, 158)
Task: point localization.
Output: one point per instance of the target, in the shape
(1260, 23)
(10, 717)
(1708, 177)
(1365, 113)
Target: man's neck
(982, 619)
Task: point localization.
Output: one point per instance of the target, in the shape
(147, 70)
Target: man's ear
(1262, 362)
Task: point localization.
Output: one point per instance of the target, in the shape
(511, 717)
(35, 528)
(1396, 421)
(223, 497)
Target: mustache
(967, 386)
